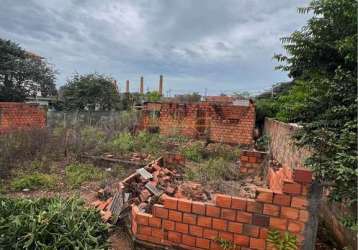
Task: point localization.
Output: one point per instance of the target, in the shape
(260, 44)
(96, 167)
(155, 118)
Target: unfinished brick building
(15, 116)
(225, 123)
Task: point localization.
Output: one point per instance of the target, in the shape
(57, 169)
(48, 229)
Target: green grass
(76, 174)
(50, 223)
(194, 151)
(33, 181)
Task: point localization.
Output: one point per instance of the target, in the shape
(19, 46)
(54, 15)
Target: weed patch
(76, 174)
(33, 181)
(50, 224)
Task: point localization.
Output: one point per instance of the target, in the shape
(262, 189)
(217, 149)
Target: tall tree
(91, 91)
(23, 74)
(322, 59)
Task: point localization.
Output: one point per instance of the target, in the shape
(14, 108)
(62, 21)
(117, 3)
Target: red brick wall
(15, 116)
(251, 161)
(219, 123)
(245, 222)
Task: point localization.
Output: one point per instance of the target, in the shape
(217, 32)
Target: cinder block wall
(217, 122)
(245, 222)
(14, 116)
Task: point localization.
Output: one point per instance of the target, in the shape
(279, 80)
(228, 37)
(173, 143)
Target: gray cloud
(219, 45)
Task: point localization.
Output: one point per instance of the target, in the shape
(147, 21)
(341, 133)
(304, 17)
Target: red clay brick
(215, 245)
(181, 228)
(263, 233)
(219, 224)
(168, 225)
(144, 230)
(270, 209)
(260, 220)
(257, 244)
(189, 218)
(189, 240)
(278, 223)
(202, 243)
(295, 227)
(251, 230)
(158, 233)
(228, 214)
(212, 210)
(254, 207)
(244, 158)
(226, 236)
(204, 221)
(290, 213)
(170, 202)
(303, 216)
(299, 202)
(223, 200)
(238, 203)
(292, 188)
(196, 231)
(244, 217)
(174, 237)
(210, 234)
(160, 211)
(155, 222)
(198, 208)
(264, 195)
(252, 159)
(302, 175)
(234, 227)
(175, 216)
(241, 240)
(142, 219)
(184, 205)
(282, 199)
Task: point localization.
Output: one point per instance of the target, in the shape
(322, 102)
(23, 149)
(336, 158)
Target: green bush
(76, 174)
(50, 223)
(123, 142)
(34, 181)
(194, 151)
(148, 143)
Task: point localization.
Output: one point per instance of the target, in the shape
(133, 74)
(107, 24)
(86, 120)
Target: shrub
(76, 174)
(34, 181)
(194, 151)
(148, 143)
(50, 223)
(123, 142)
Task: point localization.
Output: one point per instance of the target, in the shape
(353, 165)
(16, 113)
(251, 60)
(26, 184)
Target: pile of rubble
(143, 188)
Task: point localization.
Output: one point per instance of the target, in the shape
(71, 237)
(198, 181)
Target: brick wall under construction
(187, 224)
(217, 122)
(15, 116)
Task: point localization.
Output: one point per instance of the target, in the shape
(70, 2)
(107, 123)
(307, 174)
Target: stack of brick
(244, 222)
(251, 161)
(15, 116)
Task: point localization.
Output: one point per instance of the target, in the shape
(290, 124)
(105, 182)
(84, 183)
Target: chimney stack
(141, 85)
(127, 86)
(161, 85)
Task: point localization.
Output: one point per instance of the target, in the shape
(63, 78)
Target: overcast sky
(221, 45)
